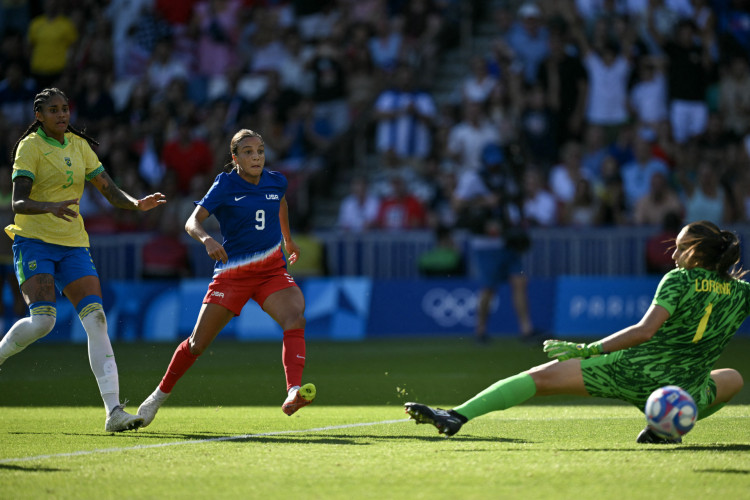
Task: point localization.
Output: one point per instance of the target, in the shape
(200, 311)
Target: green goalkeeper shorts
(614, 376)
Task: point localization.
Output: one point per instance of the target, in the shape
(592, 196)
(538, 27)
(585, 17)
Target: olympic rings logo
(453, 307)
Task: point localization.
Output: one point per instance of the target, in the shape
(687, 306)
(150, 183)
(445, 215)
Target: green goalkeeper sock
(501, 395)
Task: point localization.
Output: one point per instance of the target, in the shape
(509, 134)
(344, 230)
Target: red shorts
(233, 293)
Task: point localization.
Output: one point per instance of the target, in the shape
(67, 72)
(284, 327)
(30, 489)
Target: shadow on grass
(30, 468)
(724, 471)
(671, 448)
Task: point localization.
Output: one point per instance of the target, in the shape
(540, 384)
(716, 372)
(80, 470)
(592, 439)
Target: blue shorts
(496, 265)
(65, 264)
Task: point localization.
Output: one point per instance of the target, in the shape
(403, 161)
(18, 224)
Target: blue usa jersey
(249, 220)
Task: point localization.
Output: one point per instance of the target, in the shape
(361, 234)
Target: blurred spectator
(405, 115)
(177, 13)
(734, 95)
(565, 81)
(468, 138)
(136, 30)
(422, 29)
(444, 260)
(716, 142)
(594, 151)
(17, 96)
(648, 96)
(304, 163)
(621, 148)
(503, 114)
(537, 128)
(583, 209)
(187, 156)
(386, 44)
(330, 85)
(51, 38)
(269, 52)
(608, 72)
(705, 198)
(688, 71)
(637, 174)
(652, 208)
(94, 107)
(539, 206)
(439, 199)
(478, 86)
(660, 246)
(215, 27)
(13, 50)
(401, 209)
(362, 79)
(292, 69)
(742, 197)
(359, 209)
(166, 255)
(164, 67)
(95, 47)
(612, 199)
(564, 176)
(14, 16)
(528, 39)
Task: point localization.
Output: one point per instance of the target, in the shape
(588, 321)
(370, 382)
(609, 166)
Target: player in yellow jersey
(51, 162)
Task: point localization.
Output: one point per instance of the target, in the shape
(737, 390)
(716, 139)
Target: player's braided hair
(714, 249)
(234, 145)
(39, 101)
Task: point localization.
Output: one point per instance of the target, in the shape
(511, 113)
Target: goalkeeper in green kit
(697, 309)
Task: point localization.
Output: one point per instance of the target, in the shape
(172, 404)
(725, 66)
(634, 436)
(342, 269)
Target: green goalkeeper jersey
(705, 312)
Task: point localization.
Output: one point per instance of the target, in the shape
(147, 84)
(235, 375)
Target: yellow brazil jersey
(58, 172)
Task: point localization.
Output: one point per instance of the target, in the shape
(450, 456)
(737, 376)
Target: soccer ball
(670, 412)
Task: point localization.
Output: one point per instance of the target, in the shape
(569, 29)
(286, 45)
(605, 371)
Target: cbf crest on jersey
(68, 162)
(32, 265)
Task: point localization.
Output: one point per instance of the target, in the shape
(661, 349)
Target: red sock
(181, 361)
(293, 356)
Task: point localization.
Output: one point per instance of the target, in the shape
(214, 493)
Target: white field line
(195, 441)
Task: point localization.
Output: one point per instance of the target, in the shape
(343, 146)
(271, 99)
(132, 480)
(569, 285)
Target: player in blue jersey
(697, 309)
(51, 163)
(251, 208)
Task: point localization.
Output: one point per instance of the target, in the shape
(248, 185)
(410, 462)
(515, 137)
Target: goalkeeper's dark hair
(712, 248)
(40, 100)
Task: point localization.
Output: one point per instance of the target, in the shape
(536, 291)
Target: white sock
(160, 395)
(102, 358)
(292, 389)
(25, 332)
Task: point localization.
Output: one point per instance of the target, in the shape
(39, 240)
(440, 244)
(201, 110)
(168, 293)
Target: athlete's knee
(294, 320)
(42, 319)
(194, 346)
(736, 382)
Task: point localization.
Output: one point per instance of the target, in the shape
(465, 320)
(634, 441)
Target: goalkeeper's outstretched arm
(627, 337)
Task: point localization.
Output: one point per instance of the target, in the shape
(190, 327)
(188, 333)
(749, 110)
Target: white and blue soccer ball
(670, 412)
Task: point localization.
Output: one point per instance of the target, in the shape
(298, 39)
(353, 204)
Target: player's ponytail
(714, 249)
(39, 101)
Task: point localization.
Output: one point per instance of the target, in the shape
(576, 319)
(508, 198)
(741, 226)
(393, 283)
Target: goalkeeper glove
(562, 350)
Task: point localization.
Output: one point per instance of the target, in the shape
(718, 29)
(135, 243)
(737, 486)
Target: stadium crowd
(606, 112)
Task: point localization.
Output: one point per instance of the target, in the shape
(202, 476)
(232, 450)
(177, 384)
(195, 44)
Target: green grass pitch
(222, 433)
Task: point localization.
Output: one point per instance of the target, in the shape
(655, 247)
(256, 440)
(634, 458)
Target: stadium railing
(393, 255)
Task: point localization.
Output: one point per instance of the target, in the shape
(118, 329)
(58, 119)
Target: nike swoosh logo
(45, 154)
(300, 357)
(110, 355)
(238, 198)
